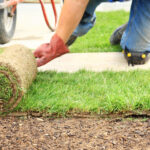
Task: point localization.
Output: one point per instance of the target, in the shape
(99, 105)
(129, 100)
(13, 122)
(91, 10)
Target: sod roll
(17, 71)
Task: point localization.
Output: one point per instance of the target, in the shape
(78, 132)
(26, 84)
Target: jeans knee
(85, 25)
(82, 29)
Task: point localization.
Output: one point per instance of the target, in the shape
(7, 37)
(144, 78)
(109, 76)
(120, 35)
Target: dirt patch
(65, 134)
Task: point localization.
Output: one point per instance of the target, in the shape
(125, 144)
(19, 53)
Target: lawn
(84, 91)
(97, 39)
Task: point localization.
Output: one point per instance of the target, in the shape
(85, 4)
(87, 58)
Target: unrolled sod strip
(17, 71)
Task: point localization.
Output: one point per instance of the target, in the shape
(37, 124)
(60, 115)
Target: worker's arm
(70, 17)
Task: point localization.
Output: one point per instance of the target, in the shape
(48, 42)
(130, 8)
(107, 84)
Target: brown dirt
(82, 133)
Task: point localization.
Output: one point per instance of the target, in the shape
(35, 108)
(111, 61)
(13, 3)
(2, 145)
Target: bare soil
(74, 133)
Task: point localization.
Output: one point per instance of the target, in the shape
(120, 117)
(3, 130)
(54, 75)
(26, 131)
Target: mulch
(32, 133)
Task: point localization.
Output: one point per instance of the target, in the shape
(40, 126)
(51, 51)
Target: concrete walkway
(97, 62)
(31, 31)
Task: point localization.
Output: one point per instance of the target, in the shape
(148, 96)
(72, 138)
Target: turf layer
(83, 91)
(5, 88)
(17, 71)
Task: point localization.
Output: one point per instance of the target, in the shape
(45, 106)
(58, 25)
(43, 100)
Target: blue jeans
(137, 35)
(88, 19)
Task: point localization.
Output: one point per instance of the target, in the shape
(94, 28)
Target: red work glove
(48, 51)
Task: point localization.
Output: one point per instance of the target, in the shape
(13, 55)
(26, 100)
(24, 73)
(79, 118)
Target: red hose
(55, 12)
(15, 2)
(45, 15)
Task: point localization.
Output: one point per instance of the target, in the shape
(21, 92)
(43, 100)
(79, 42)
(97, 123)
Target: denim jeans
(88, 19)
(137, 35)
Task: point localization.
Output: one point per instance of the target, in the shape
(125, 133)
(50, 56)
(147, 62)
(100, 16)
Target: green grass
(97, 39)
(5, 88)
(6, 91)
(1, 50)
(83, 91)
(5, 85)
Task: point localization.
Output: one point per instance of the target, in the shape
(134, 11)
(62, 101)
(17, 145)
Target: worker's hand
(47, 52)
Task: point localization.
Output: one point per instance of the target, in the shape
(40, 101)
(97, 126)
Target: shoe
(71, 40)
(117, 35)
(135, 58)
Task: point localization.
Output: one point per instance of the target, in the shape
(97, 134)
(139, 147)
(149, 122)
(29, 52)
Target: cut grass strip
(97, 39)
(6, 91)
(104, 92)
(17, 71)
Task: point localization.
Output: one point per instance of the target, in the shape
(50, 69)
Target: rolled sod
(17, 71)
